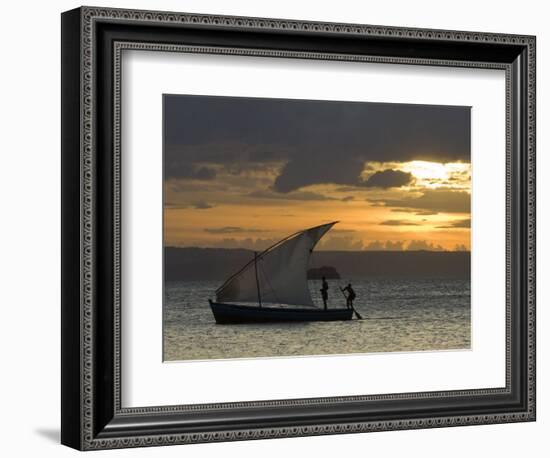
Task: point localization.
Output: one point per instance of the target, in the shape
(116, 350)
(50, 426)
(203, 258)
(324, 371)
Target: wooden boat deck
(241, 314)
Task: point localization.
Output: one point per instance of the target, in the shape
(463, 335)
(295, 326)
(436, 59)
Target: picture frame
(93, 416)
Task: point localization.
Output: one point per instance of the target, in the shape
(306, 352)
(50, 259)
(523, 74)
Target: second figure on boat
(350, 297)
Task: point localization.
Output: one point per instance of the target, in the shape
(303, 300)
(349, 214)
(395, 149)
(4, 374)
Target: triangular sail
(280, 272)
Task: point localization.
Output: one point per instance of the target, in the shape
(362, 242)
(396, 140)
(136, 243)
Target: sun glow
(436, 174)
(231, 212)
(426, 170)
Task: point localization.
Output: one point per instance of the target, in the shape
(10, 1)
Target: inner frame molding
(119, 48)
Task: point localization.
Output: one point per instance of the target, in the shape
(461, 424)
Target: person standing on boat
(324, 292)
(350, 297)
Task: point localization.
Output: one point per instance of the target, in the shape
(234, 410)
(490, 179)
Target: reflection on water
(399, 315)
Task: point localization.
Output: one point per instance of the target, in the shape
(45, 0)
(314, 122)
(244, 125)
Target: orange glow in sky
(432, 211)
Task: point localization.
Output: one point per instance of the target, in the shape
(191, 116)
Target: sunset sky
(245, 172)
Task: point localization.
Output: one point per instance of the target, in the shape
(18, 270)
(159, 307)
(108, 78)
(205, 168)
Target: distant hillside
(220, 263)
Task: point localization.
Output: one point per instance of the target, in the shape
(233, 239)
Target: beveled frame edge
(87, 16)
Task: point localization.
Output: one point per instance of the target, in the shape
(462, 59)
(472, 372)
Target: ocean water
(399, 315)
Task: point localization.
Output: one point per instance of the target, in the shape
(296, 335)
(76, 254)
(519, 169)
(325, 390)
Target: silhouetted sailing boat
(277, 275)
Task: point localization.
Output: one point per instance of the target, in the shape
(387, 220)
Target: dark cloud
(204, 173)
(318, 141)
(412, 210)
(303, 171)
(347, 199)
(231, 230)
(459, 224)
(434, 200)
(346, 188)
(202, 205)
(265, 156)
(426, 213)
(186, 160)
(258, 244)
(295, 195)
(342, 231)
(398, 222)
(389, 179)
(192, 186)
(186, 171)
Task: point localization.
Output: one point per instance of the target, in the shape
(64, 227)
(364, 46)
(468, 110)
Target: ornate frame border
(87, 435)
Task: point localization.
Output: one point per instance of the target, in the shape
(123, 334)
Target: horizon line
(321, 251)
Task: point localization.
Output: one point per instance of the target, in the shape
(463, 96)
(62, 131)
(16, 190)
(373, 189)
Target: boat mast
(257, 281)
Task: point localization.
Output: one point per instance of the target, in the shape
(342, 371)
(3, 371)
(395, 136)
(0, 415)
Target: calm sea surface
(400, 315)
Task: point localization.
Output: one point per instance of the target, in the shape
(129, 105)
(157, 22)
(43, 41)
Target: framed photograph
(276, 228)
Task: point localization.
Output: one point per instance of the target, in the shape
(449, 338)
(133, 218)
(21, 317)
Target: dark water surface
(400, 315)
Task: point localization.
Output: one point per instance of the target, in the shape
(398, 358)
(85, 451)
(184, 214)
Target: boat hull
(242, 314)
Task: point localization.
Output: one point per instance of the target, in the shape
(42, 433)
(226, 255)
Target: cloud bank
(319, 142)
